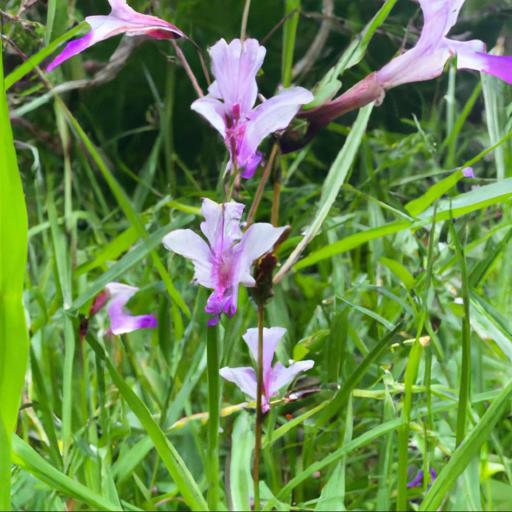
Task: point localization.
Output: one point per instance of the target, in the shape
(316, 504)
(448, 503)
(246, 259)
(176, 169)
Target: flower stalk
(259, 411)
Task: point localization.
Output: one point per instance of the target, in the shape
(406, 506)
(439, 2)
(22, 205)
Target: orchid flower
(226, 260)
(121, 20)
(274, 377)
(427, 59)
(230, 104)
(121, 321)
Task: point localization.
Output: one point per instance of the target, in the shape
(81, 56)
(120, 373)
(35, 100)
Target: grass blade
(14, 340)
(170, 456)
(463, 455)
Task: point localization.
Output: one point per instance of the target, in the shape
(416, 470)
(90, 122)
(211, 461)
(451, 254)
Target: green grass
(398, 281)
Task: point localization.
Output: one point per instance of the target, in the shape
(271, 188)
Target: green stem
(259, 412)
(212, 350)
(289, 36)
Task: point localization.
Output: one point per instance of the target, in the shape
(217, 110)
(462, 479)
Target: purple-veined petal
(244, 378)
(259, 239)
(271, 338)
(121, 321)
(235, 66)
(122, 20)
(282, 376)
(222, 223)
(213, 111)
(190, 245)
(272, 115)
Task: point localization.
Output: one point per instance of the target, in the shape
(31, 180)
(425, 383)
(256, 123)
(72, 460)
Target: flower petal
(282, 376)
(222, 223)
(190, 245)
(271, 338)
(213, 111)
(439, 17)
(259, 239)
(244, 378)
(122, 19)
(271, 116)
(471, 55)
(235, 66)
(121, 321)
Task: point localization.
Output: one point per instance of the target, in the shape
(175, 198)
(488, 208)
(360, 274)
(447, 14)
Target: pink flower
(427, 59)
(226, 260)
(121, 321)
(230, 104)
(274, 378)
(121, 20)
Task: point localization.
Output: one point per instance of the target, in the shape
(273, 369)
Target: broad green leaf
(14, 340)
(400, 271)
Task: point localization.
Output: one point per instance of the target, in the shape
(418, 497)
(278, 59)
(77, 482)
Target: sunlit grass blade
(28, 459)
(14, 340)
(171, 458)
(463, 455)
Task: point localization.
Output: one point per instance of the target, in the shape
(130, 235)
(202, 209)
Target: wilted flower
(274, 378)
(418, 479)
(121, 321)
(229, 105)
(226, 260)
(121, 20)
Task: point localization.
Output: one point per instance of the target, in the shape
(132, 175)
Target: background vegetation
(409, 251)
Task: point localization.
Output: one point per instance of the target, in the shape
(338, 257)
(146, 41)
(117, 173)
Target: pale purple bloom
(121, 20)
(274, 377)
(427, 59)
(121, 321)
(417, 481)
(468, 172)
(226, 260)
(230, 104)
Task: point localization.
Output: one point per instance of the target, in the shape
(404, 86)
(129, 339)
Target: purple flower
(121, 20)
(229, 105)
(121, 321)
(226, 260)
(427, 59)
(467, 172)
(418, 479)
(274, 378)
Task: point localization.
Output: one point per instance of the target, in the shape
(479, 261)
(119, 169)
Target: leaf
(463, 204)
(400, 271)
(31, 63)
(332, 185)
(240, 478)
(462, 456)
(170, 456)
(28, 459)
(14, 340)
(125, 263)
